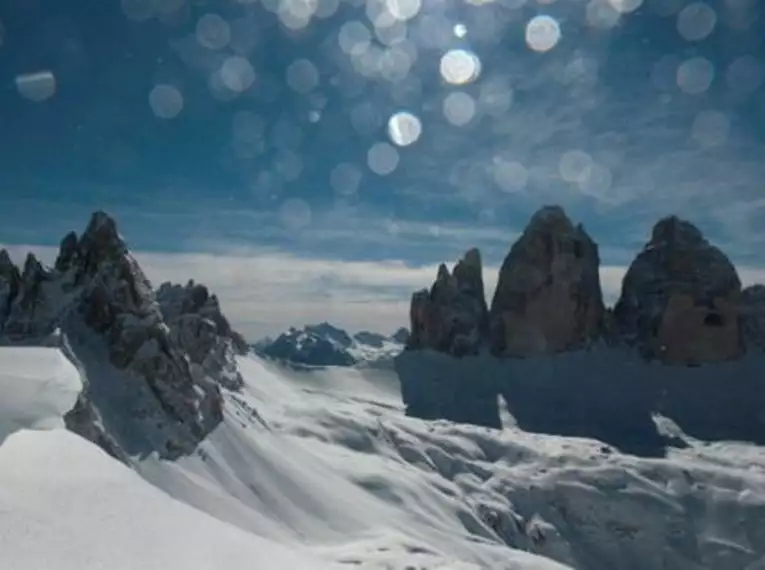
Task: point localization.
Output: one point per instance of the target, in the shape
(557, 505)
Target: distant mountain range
(326, 345)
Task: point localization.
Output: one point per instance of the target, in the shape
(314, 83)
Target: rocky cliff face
(199, 327)
(548, 296)
(152, 383)
(681, 299)
(452, 316)
(681, 306)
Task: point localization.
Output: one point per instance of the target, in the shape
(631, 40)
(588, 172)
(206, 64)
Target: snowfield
(320, 469)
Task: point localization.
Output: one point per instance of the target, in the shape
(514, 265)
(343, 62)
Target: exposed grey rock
(148, 387)
(330, 332)
(309, 347)
(199, 327)
(452, 317)
(753, 316)
(9, 285)
(375, 340)
(680, 299)
(326, 345)
(548, 297)
(401, 336)
(32, 310)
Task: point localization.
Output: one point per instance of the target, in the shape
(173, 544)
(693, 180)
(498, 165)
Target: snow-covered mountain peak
(324, 344)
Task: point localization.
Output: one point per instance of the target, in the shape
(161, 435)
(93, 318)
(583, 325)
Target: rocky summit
(681, 298)
(548, 296)
(154, 363)
(452, 316)
(681, 330)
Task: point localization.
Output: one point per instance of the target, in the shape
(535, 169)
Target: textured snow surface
(67, 505)
(37, 387)
(326, 458)
(320, 469)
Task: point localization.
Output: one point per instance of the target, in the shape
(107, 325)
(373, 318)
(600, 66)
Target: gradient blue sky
(263, 185)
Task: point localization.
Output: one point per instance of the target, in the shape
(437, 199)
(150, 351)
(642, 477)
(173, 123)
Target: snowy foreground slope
(327, 458)
(66, 504)
(316, 469)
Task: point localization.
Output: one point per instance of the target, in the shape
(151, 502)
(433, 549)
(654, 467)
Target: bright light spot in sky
(326, 8)
(302, 76)
(213, 32)
(354, 38)
(598, 181)
(601, 14)
(460, 30)
(382, 158)
(542, 33)
(510, 176)
(745, 74)
(403, 9)
(575, 166)
(696, 21)
(237, 74)
(166, 101)
(345, 178)
(404, 128)
(296, 14)
(459, 66)
(36, 86)
(459, 108)
(695, 75)
(295, 214)
(625, 6)
(710, 128)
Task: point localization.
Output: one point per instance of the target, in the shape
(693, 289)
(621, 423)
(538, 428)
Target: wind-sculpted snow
(37, 387)
(328, 457)
(321, 469)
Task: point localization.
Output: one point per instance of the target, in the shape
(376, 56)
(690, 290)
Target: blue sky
(250, 144)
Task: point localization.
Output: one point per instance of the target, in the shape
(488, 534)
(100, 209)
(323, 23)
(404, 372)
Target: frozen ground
(320, 468)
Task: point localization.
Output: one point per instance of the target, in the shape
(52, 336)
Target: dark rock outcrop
(681, 299)
(753, 317)
(675, 342)
(307, 347)
(326, 345)
(548, 296)
(401, 336)
(199, 327)
(452, 316)
(142, 392)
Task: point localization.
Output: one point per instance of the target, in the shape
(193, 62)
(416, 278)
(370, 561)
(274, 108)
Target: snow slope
(37, 387)
(65, 504)
(325, 458)
(320, 468)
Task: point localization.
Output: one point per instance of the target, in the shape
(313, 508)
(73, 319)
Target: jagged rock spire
(548, 297)
(452, 316)
(157, 368)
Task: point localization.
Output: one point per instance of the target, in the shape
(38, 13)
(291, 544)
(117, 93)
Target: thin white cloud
(264, 293)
